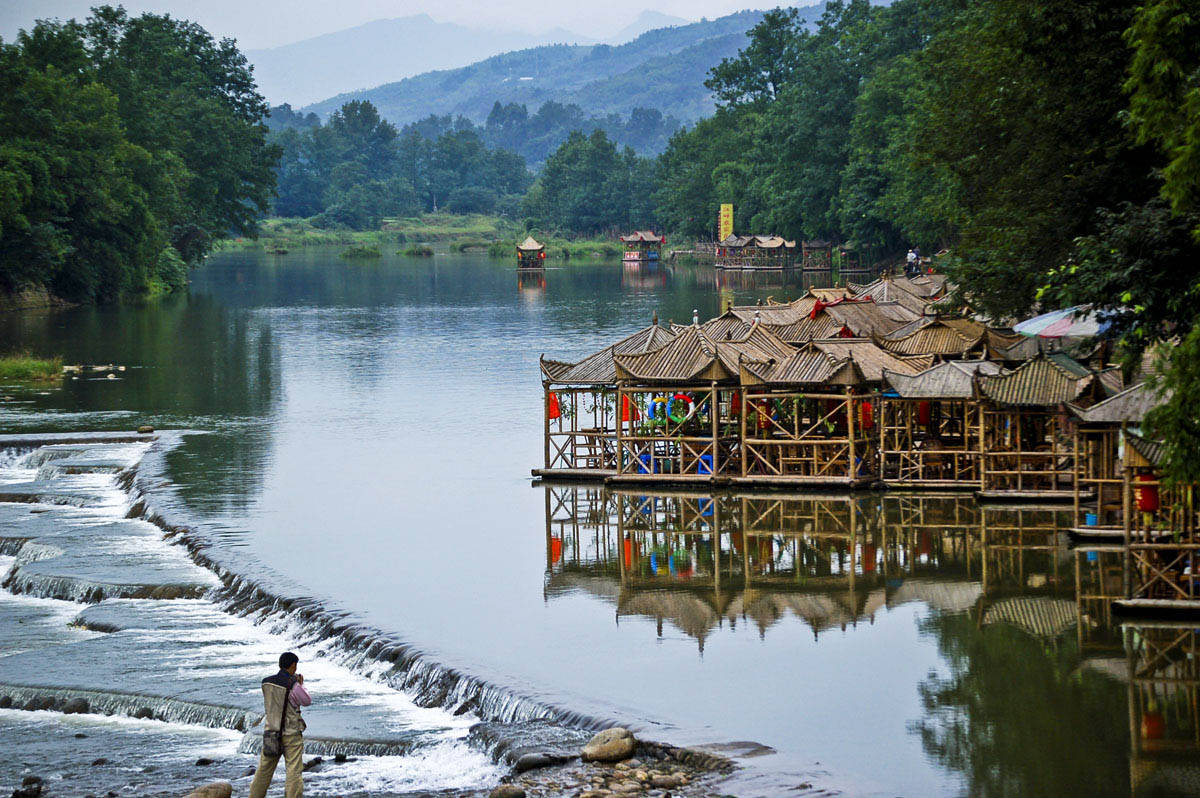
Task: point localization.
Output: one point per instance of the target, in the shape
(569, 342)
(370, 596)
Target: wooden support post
(1075, 474)
(1127, 528)
(850, 432)
(546, 420)
(622, 397)
(740, 398)
(714, 409)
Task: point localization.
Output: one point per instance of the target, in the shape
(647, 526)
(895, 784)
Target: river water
(364, 434)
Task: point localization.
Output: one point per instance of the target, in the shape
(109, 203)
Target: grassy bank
(433, 232)
(26, 368)
(442, 231)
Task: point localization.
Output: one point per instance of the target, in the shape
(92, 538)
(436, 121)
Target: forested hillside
(644, 72)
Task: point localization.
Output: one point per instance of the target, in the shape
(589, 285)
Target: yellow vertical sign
(725, 223)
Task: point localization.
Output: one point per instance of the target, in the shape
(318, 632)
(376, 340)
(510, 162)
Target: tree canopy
(127, 144)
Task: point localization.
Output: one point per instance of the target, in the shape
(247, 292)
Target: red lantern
(924, 412)
(735, 404)
(553, 410)
(867, 415)
(629, 412)
(555, 549)
(1146, 495)
(868, 554)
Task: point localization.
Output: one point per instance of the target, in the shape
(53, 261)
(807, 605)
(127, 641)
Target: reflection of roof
(1130, 405)
(1040, 616)
(642, 236)
(940, 595)
(933, 335)
(953, 379)
(598, 368)
(530, 245)
(1044, 380)
(687, 611)
(693, 355)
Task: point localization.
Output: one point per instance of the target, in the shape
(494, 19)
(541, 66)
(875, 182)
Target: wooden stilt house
(809, 418)
(531, 254)
(755, 253)
(642, 246)
(1025, 435)
(581, 410)
(686, 424)
(930, 426)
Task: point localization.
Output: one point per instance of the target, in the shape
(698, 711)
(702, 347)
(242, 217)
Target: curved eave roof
(1041, 382)
(598, 368)
(1129, 406)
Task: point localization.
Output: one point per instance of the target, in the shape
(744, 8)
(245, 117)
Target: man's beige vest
(274, 697)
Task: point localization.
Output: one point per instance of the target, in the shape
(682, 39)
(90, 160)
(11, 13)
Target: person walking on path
(283, 695)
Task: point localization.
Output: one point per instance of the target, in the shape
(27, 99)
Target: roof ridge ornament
(695, 317)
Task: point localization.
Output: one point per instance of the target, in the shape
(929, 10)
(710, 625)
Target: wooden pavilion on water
(850, 387)
(931, 426)
(755, 252)
(642, 246)
(531, 254)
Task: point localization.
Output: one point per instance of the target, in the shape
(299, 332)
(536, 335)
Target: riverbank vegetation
(23, 367)
(127, 146)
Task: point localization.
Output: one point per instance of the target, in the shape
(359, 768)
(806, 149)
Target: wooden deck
(1005, 496)
(572, 474)
(1176, 607)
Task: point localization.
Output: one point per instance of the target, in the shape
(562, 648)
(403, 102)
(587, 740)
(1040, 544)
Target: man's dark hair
(287, 659)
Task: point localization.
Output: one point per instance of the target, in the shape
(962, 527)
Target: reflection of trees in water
(1016, 716)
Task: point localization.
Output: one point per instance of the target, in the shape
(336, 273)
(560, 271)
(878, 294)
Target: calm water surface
(370, 433)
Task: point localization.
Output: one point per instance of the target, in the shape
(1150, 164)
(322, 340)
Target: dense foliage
(358, 169)
(127, 144)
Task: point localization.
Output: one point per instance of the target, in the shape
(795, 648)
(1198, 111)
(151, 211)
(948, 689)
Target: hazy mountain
(663, 69)
(378, 52)
(648, 20)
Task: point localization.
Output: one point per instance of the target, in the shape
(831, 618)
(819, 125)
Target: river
(363, 437)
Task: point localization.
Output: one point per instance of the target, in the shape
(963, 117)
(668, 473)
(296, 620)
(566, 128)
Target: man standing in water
(283, 695)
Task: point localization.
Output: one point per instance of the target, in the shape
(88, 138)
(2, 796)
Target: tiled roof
(598, 368)
(915, 294)
(1130, 405)
(953, 379)
(762, 242)
(646, 236)
(1041, 381)
(807, 367)
(870, 359)
(1148, 448)
(932, 335)
(695, 356)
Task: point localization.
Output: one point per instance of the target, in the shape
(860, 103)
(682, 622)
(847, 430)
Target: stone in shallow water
(610, 745)
(216, 789)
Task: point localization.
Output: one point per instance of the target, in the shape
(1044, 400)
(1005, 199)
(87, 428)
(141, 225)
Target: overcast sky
(267, 23)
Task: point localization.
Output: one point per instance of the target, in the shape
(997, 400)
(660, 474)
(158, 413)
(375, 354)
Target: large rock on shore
(610, 745)
(216, 789)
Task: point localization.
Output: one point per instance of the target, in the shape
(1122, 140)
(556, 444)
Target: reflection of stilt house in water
(1164, 708)
(756, 252)
(531, 254)
(642, 246)
(1027, 441)
(581, 417)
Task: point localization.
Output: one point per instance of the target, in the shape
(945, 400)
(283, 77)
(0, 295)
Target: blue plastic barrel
(644, 463)
(1090, 519)
(706, 464)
